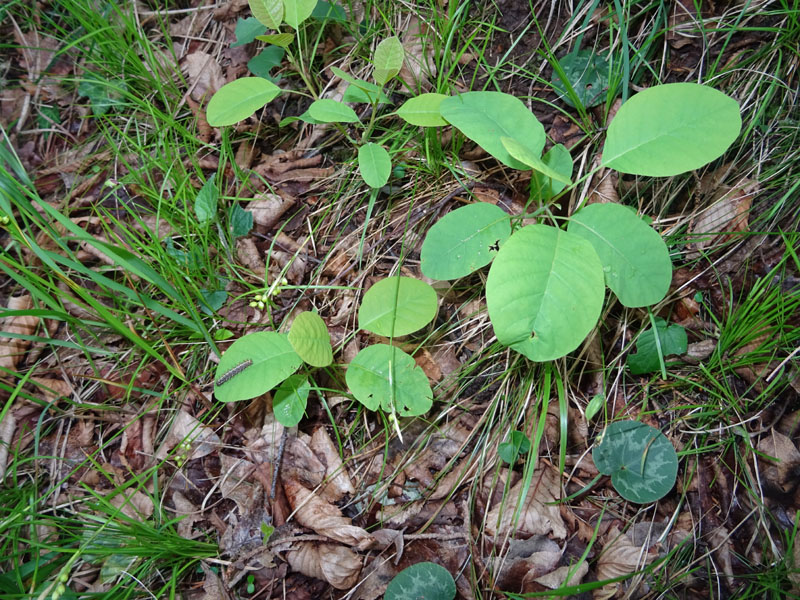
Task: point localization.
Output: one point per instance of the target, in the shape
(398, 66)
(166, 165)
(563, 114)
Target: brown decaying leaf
(562, 576)
(52, 388)
(7, 427)
(727, 215)
(13, 349)
(538, 514)
(526, 559)
(338, 481)
(204, 74)
(338, 565)
(134, 504)
(184, 508)
(418, 63)
(444, 446)
(234, 484)
(781, 448)
(185, 428)
(620, 557)
(326, 519)
(267, 209)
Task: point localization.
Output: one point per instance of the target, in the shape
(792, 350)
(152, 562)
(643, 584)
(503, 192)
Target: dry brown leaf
(727, 215)
(538, 515)
(425, 360)
(447, 443)
(620, 557)
(559, 577)
(301, 464)
(603, 188)
(13, 349)
(199, 440)
(204, 74)
(7, 428)
(374, 584)
(313, 512)
(780, 471)
(134, 504)
(234, 483)
(184, 508)
(52, 388)
(267, 209)
(338, 565)
(418, 64)
(213, 587)
(526, 560)
(338, 484)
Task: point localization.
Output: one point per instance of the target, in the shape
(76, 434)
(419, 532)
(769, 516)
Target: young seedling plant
(546, 284)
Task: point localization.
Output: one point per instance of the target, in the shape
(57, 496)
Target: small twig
(277, 466)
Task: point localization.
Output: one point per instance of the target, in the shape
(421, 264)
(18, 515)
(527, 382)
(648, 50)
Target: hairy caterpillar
(234, 372)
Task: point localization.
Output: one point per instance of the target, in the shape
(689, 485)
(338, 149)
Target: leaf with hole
(524, 155)
(422, 581)
(297, 11)
(397, 306)
(464, 240)
(385, 377)
(290, 400)
(268, 12)
(326, 110)
(635, 259)
(641, 460)
(310, 339)
(423, 110)
(205, 205)
(587, 73)
(388, 59)
(485, 117)
(559, 160)
(544, 292)
(239, 99)
(670, 129)
(672, 338)
(254, 364)
(374, 164)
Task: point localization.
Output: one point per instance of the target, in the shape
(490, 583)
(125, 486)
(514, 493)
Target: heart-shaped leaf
(268, 12)
(671, 338)
(670, 129)
(310, 339)
(635, 258)
(254, 364)
(423, 110)
(326, 110)
(587, 73)
(388, 59)
(383, 376)
(485, 117)
(397, 306)
(464, 240)
(640, 459)
(239, 99)
(374, 164)
(544, 292)
(290, 400)
(422, 581)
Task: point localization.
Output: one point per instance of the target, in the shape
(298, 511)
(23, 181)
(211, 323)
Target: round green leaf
(383, 376)
(239, 99)
(485, 117)
(523, 154)
(635, 258)
(310, 339)
(518, 444)
(423, 110)
(587, 74)
(559, 160)
(464, 240)
(422, 581)
(640, 459)
(670, 129)
(297, 11)
(374, 164)
(290, 400)
(268, 12)
(254, 364)
(544, 292)
(397, 306)
(388, 59)
(331, 111)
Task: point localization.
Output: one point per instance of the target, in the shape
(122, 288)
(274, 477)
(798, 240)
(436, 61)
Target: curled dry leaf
(338, 565)
(563, 576)
(727, 215)
(7, 427)
(184, 508)
(620, 556)
(786, 458)
(234, 484)
(267, 209)
(12, 349)
(448, 443)
(418, 63)
(338, 483)
(326, 519)
(52, 388)
(204, 74)
(526, 560)
(134, 504)
(538, 514)
(301, 464)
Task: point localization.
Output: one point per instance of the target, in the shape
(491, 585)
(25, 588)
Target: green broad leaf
(220, 335)
(641, 460)
(297, 11)
(240, 221)
(326, 11)
(310, 339)
(205, 205)
(635, 258)
(373, 91)
(247, 30)
(374, 164)
(266, 60)
(544, 292)
(485, 117)
(212, 300)
(511, 450)
(670, 129)
(354, 93)
(268, 12)
(559, 160)
(464, 240)
(672, 338)
(283, 40)
(290, 400)
(239, 99)
(253, 365)
(385, 377)
(422, 581)
(102, 93)
(587, 73)
(397, 306)
(331, 111)
(305, 117)
(524, 155)
(595, 404)
(388, 59)
(423, 110)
